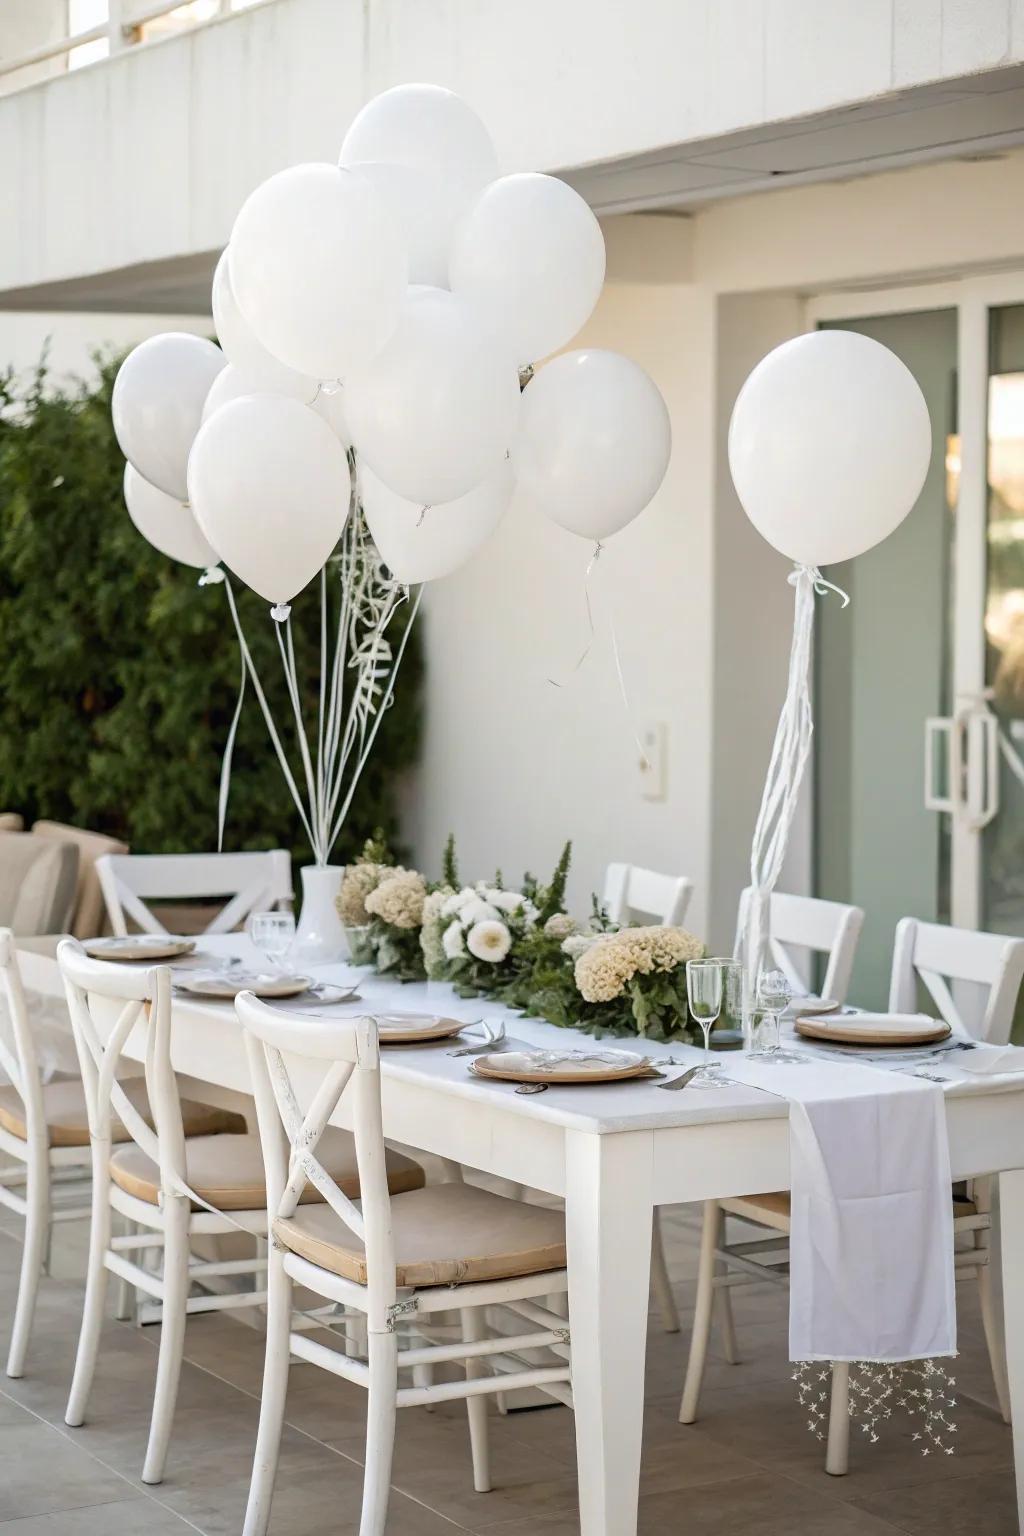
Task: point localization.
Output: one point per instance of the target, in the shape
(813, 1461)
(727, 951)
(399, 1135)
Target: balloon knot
(211, 576)
(818, 582)
(280, 612)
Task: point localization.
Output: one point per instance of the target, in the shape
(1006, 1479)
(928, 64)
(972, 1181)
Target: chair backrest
(808, 923)
(934, 955)
(37, 883)
(11, 821)
(252, 882)
(87, 918)
(19, 1061)
(632, 894)
(94, 991)
(347, 1052)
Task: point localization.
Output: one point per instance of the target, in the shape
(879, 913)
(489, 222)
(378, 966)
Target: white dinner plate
(582, 1066)
(874, 1029)
(139, 946)
(407, 1028)
(228, 984)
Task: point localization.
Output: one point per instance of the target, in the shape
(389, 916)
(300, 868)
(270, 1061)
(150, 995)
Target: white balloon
(530, 255)
(231, 383)
(421, 546)
(157, 404)
(241, 347)
(319, 268)
(829, 445)
(165, 521)
(435, 413)
(269, 483)
(594, 441)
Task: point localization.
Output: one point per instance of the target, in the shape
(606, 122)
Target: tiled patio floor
(749, 1466)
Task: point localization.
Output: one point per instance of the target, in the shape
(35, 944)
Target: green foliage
(450, 864)
(119, 676)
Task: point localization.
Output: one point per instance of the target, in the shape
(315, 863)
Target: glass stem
(706, 1027)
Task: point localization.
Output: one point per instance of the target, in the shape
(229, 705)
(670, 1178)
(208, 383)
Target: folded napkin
(896, 1022)
(871, 1238)
(987, 1060)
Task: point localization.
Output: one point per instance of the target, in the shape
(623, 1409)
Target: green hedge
(119, 675)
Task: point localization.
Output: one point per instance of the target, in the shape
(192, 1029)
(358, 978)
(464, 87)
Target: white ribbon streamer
(790, 752)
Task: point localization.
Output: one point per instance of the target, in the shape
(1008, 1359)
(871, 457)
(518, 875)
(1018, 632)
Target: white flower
(450, 905)
(476, 911)
(506, 901)
(452, 942)
(489, 940)
(577, 944)
(464, 897)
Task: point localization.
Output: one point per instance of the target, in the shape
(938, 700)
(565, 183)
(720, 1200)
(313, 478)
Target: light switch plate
(653, 774)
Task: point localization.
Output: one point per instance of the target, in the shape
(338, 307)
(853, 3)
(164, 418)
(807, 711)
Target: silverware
(675, 1083)
(533, 1088)
(493, 1041)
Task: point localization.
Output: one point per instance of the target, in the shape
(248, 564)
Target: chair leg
(172, 1334)
(380, 1432)
(125, 1305)
(473, 1321)
(660, 1280)
(996, 1344)
(275, 1387)
(723, 1301)
(95, 1287)
(37, 1230)
(837, 1452)
(702, 1313)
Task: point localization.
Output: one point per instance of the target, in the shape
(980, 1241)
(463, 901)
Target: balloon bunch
(379, 323)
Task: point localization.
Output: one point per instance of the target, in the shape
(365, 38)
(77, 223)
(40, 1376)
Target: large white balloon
(829, 445)
(232, 382)
(319, 268)
(429, 155)
(241, 347)
(530, 255)
(269, 483)
(421, 546)
(594, 441)
(157, 404)
(167, 523)
(435, 413)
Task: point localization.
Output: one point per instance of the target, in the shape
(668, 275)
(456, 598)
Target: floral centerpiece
(381, 906)
(629, 981)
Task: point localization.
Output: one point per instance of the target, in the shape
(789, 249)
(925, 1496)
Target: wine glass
(273, 932)
(773, 997)
(704, 994)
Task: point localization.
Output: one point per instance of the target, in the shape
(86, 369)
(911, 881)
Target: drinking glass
(273, 932)
(773, 996)
(704, 994)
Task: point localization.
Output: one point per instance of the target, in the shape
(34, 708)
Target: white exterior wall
(148, 155)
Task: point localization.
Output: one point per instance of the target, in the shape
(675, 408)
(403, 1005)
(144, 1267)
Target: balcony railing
(119, 24)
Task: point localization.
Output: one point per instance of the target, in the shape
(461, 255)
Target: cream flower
(453, 943)
(489, 940)
(577, 944)
(357, 883)
(431, 933)
(606, 967)
(399, 899)
(560, 926)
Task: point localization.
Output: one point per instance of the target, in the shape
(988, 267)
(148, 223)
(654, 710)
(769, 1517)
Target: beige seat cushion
(772, 1210)
(68, 1121)
(446, 1234)
(87, 921)
(37, 883)
(10, 821)
(227, 1171)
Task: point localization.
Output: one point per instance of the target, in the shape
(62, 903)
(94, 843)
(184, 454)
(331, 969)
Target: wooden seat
(772, 1210)
(447, 1234)
(67, 1117)
(227, 1171)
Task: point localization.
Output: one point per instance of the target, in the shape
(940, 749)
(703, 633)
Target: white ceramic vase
(320, 937)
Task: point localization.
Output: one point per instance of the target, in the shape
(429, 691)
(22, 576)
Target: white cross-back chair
(149, 1180)
(632, 895)
(829, 928)
(38, 1154)
(252, 882)
(397, 1260)
(937, 955)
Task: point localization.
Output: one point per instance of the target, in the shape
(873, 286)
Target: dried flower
(489, 940)
(560, 926)
(356, 884)
(606, 967)
(399, 899)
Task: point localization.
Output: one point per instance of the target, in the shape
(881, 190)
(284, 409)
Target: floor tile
(43, 1471)
(135, 1517)
(967, 1506)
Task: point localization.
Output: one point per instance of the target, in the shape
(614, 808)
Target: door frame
(971, 297)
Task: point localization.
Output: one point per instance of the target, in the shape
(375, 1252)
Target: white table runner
(871, 1242)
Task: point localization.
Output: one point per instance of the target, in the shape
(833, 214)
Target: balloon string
(818, 582)
(595, 557)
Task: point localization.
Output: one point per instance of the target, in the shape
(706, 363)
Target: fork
(493, 1037)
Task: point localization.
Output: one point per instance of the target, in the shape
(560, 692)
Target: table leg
(608, 1212)
(1011, 1233)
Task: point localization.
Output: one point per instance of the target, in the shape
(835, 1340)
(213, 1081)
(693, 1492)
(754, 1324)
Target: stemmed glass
(704, 994)
(773, 996)
(273, 932)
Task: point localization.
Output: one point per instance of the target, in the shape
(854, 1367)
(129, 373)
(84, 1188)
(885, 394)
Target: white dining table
(613, 1153)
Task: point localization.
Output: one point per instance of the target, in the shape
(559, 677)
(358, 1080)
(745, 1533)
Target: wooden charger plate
(503, 1067)
(224, 987)
(843, 1030)
(139, 947)
(410, 1028)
